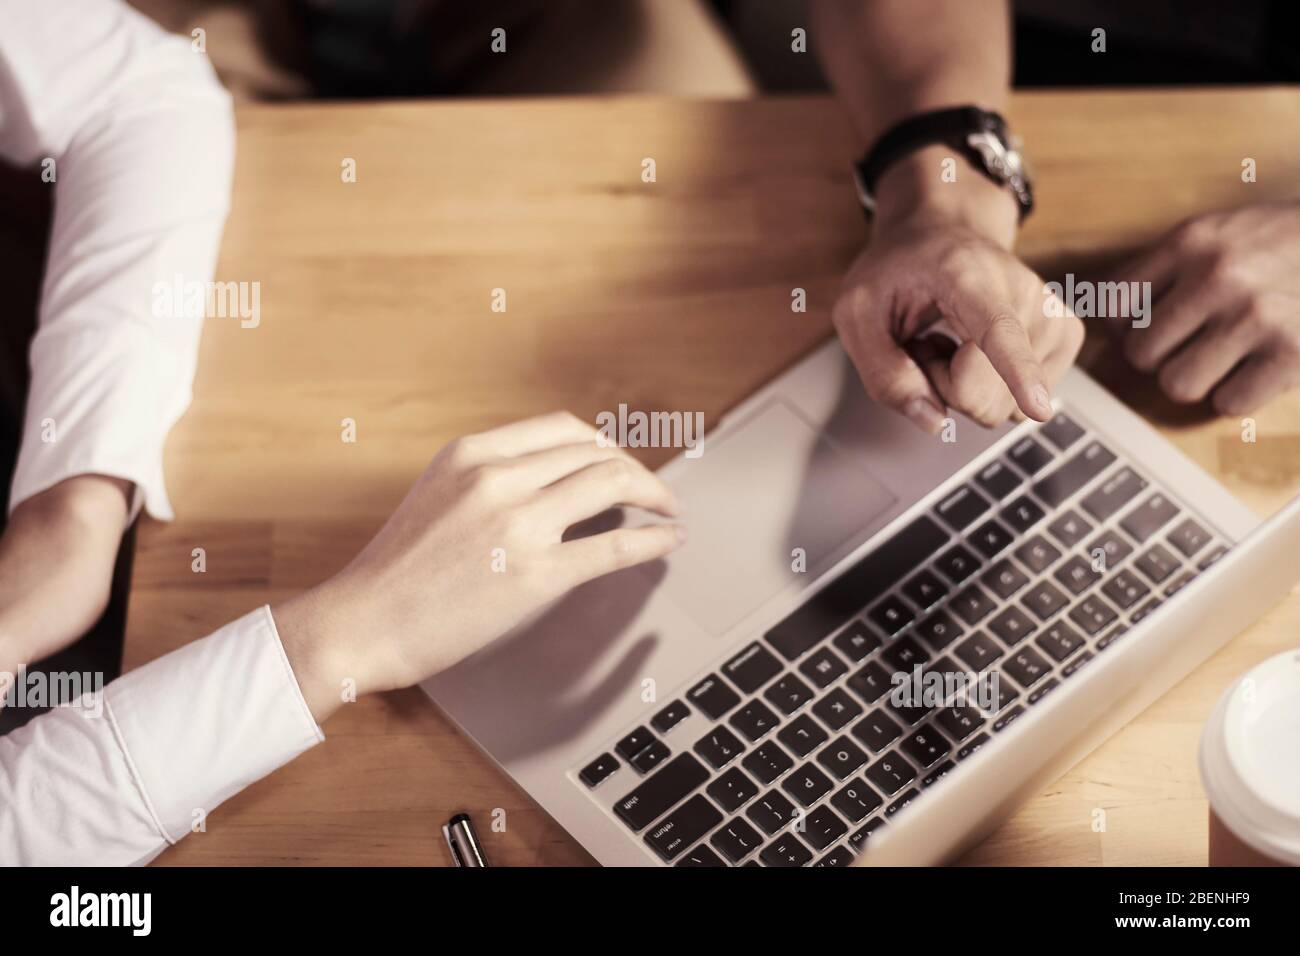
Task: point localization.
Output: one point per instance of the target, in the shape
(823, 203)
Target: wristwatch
(981, 136)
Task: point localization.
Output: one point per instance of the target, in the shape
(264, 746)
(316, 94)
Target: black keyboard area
(797, 749)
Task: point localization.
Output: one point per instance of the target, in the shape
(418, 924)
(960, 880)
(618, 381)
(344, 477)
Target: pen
(463, 841)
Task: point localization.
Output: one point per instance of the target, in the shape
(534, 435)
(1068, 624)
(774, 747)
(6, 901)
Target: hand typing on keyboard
(476, 546)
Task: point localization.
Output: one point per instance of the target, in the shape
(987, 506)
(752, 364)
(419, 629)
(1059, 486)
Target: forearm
(891, 59)
(56, 565)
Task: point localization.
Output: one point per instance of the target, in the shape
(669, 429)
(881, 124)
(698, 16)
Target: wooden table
(675, 294)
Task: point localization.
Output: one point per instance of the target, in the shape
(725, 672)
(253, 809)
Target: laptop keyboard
(1021, 574)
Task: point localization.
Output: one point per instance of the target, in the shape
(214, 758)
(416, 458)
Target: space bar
(857, 587)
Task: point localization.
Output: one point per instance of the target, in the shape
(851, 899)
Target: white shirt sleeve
(141, 139)
(114, 781)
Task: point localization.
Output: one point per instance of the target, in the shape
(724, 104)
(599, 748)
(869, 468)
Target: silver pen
(463, 841)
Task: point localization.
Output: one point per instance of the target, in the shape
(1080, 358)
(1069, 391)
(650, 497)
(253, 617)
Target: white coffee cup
(1250, 767)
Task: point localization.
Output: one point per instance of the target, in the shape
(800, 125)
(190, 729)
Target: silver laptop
(875, 644)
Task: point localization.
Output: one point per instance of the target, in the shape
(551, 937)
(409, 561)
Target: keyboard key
(960, 721)
(909, 713)
(823, 668)
(990, 538)
(767, 762)
(719, 747)
(598, 769)
(859, 838)
(1042, 691)
(736, 840)
(771, 812)
(1157, 563)
(925, 746)
(688, 823)
(1070, 528)
(1125, 589)
(1030, 456)
(786, 850)
(1178, 583)
(1070, 669)
(902, 802)
(651, 757)
(925, 589)
(1044, 599)
(752, 668)
(890, 773)
(857, 641)
(891, 615)
(1037, 554)
(1005, 721)
(672, 782)
(1012, 626)
(836, 709)
(803, 735)
(1022, 514)
(936, 773)
(837, 857)
(903, 654)
(975, 744)
(1189, 537)
(957, 563)
(789, 694)
(634, 743)
(842, 757)
(1062, 431)
(713, 697)
(670, 717)
(822, 828)
(701, 856)
(972, 604)
(1092, 614)
(870, 682)
(1059, 641)
(1211, 556)
(978, 651)
(855, 800)
(999, 688)
(732, 790)
(755, 720)
(1111, 637)
(1026, 666)
(938, 630)
(1145, 610)
(832, 606)
(1114, 493)
(1113, 548)
(961, 508)
(997, 480)
(1149, 517)
(1074, 474)
(877, 730)
(807, 784)
(1004, 579)
(1077, 575)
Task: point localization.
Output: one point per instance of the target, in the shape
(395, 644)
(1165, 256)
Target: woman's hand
(476, 547)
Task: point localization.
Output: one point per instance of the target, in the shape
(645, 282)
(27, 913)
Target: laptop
(876, 643)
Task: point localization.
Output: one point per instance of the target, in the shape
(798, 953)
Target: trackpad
(754, 496)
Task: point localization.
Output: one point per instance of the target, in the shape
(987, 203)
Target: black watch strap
(954, 127)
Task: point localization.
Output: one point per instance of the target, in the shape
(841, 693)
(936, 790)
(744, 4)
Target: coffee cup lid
(1250, 758)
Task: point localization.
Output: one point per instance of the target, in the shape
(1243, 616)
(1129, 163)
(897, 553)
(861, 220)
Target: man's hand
(941, 251)
(476, 546)
(56, 565)
(1225, 317)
